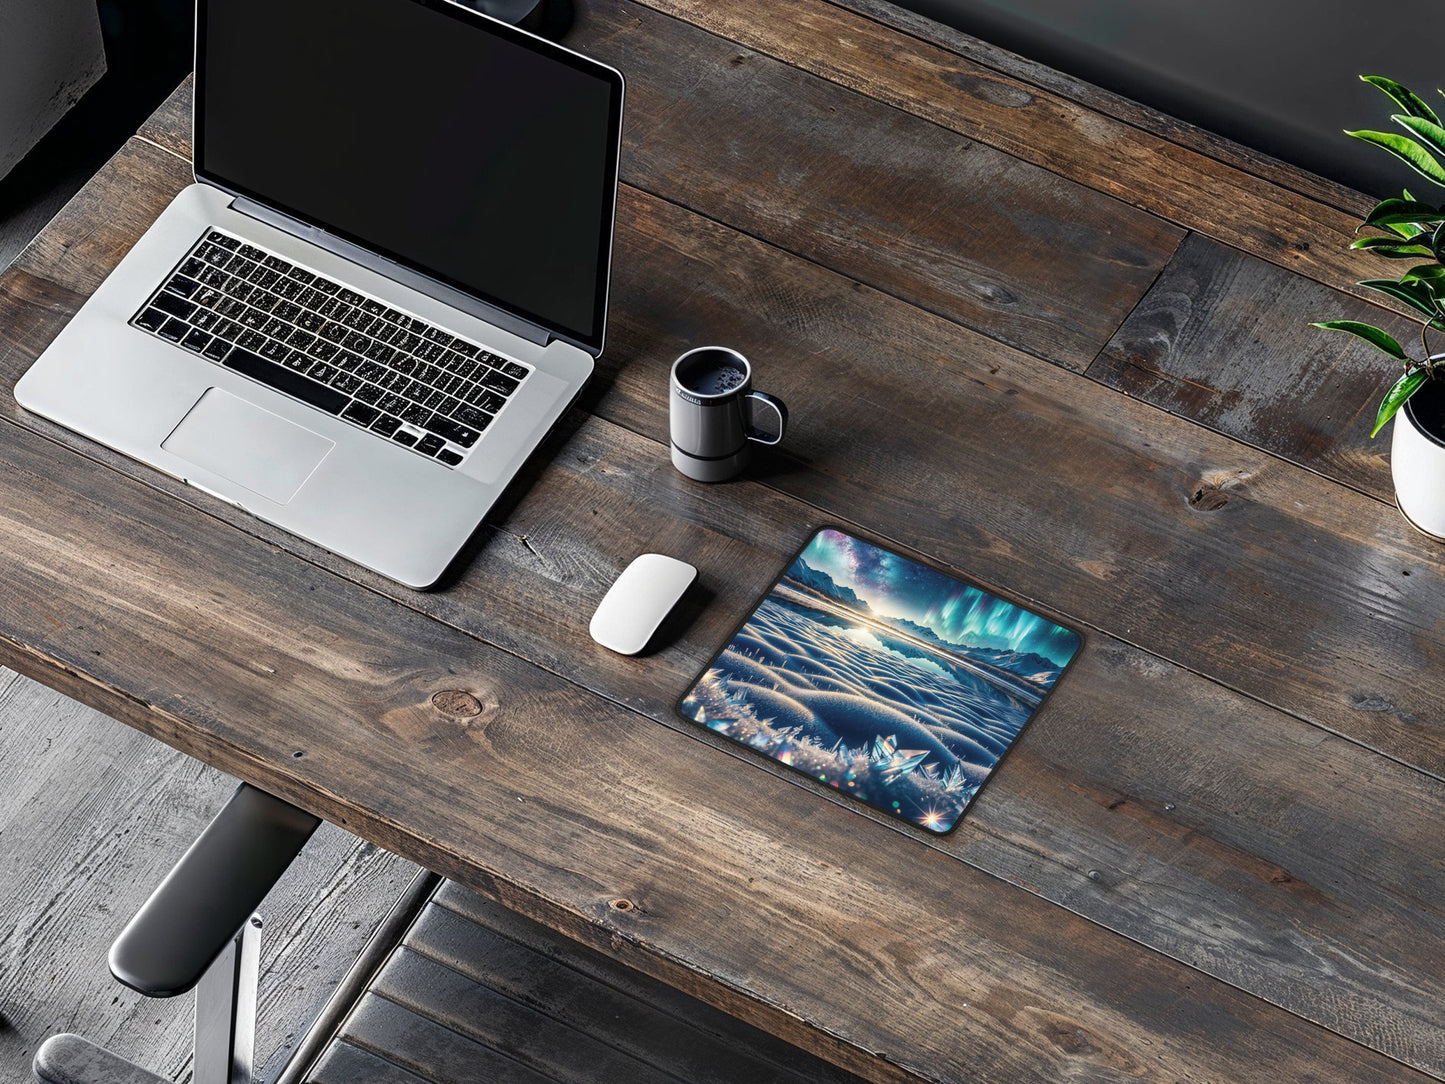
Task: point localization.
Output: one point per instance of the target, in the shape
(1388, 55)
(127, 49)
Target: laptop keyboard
(353, 356)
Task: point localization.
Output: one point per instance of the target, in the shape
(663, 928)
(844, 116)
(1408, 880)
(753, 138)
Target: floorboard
(92, 814)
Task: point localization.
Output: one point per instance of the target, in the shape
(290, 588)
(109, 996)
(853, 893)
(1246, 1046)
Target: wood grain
(1098, 100)
(604, 489)
(512, 802)
(460, 994)
(92, 815)
(594, 993)
(1223, 340)
(1181, 185)
(1148, 799)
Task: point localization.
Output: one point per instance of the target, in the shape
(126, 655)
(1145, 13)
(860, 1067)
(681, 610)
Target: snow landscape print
(882, 678)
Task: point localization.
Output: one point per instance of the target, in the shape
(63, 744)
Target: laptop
(386, 285)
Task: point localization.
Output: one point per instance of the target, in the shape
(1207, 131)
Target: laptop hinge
(447, 295)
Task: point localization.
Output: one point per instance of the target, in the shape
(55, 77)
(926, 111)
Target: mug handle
(776, 405)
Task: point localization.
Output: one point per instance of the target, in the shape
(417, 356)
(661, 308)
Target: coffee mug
(715, 415)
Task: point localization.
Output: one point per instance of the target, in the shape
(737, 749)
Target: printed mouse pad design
(883, 678)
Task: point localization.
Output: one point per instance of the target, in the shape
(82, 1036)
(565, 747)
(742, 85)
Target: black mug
(715, 415)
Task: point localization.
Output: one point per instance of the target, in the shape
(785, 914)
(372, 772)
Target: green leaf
(1414, 294)
(1437, 240)
(1407, 150)
(1394, 248)
(1426, 274)
(1371, 334)
(1405, 98)
(1392, 212)
(1395, 398)
(1428, 132)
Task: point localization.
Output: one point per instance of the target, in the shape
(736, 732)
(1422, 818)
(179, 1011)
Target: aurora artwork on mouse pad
(881, 677)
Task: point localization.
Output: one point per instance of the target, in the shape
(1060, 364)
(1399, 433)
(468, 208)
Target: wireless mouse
(639, 600)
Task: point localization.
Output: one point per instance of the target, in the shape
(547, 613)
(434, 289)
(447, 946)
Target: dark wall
(1278, 75)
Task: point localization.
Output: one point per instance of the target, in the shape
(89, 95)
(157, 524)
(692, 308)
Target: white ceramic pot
(1417, 459)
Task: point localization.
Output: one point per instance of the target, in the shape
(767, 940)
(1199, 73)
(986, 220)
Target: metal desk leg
(226, 1011)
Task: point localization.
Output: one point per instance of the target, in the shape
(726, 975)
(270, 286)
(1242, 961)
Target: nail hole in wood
(623, 905)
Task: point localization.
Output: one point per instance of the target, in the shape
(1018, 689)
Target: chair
(198, 930)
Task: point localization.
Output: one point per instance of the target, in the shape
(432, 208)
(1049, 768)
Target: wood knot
(457, 703)
(622, 905)
(1208, 498)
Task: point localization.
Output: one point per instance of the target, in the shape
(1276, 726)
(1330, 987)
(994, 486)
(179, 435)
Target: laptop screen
(452, 144)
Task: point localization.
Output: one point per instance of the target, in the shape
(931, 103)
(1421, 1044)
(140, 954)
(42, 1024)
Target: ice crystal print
(883, 678)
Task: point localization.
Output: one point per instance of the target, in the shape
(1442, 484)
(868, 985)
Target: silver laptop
(387, 284)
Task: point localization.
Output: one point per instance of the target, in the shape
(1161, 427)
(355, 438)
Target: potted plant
(1413, 230)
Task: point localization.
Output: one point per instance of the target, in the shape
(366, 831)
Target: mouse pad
(888, 680)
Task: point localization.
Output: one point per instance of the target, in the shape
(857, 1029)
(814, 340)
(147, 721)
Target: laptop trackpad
(247, 445)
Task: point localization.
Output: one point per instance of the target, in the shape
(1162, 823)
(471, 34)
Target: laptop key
(274, 350)
(449, 457)
(386, 425)
(515, 371)
(196, 340)
(429, 444)
(417, 415)
(360, 413)
(369, 393)
(174, 330)
(174, 306)
(403, 437)
(489, 401)
(472, 417)
(498, 382)
(217, 350)
(347, 382)
(450, 430)
(283, 379)
(183, 286)
(151, 319)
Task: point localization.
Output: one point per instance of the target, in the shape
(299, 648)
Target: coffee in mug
(715, 416)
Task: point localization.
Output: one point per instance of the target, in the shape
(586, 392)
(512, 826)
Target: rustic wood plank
(877, 194)
(1222, 339)
(1177, 183)
(545, 559)
(596, 996)
(1098, 100)
(347, 1064)
(446, 997)
(1136, 522)
(430, 1050)
(92, 815)
(512, 802)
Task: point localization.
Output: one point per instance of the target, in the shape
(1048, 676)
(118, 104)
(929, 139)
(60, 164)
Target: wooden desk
(1029, 331)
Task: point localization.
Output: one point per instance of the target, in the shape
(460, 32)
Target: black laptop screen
(458, 147)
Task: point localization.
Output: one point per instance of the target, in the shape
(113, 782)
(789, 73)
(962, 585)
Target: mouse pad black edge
(909, 716)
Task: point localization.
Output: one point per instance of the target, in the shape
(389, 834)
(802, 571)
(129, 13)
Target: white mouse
(636, 604)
